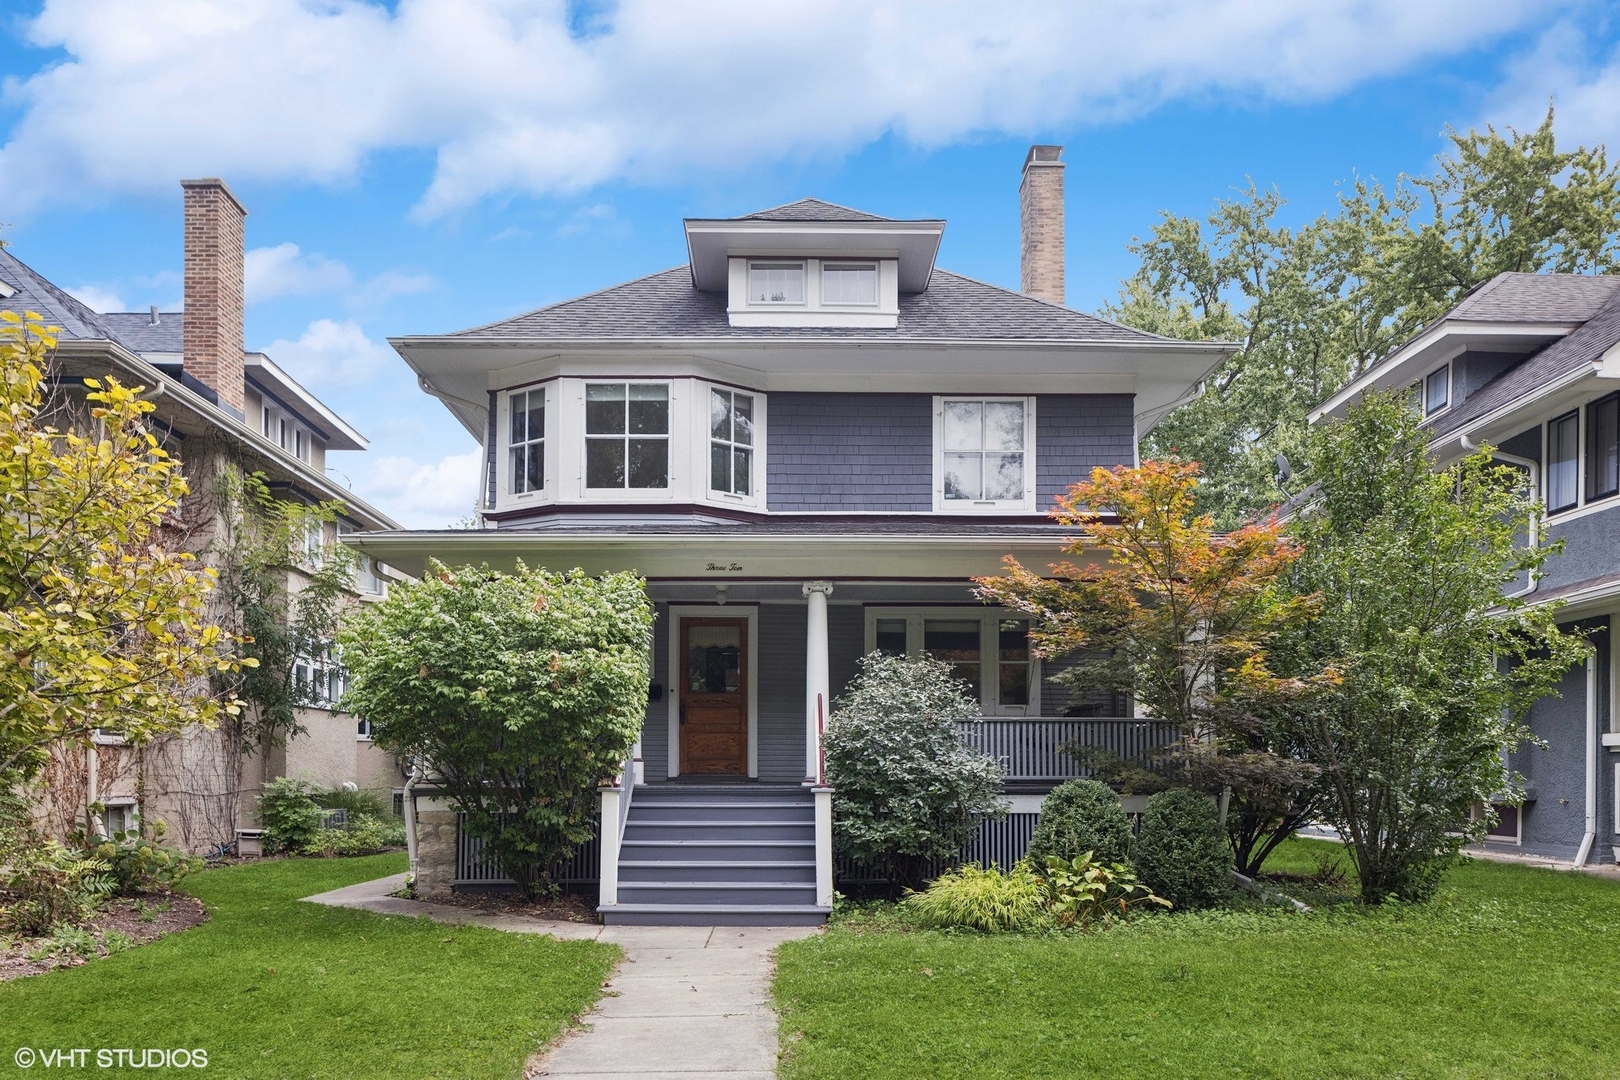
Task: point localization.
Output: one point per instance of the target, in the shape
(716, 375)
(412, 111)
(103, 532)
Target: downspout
(409, 806)
(429, 389)
(1591, 763)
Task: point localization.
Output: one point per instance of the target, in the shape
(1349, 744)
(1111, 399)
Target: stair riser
(701, 894)
(728, 918)
(664, 851)
(737, 811)
(763, 873)
(697, 830)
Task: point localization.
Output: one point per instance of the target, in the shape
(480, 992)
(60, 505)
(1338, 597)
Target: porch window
(731, 442)
(1563, 462)
(955, 641)
(627, 435)
(1012, 647)
(527, 447)
(988, 649)
(891, 637)
(1603, 447)
(982, 454)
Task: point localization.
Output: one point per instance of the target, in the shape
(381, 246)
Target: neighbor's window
(776, 283)
(527, 455)
(369, 581)
(842, 284)
(731, 441)
(301, 444)
(118, 818)
(1436, 391)
(1603, 447)
(983, 450)
(267, 421)
(1562, 444)
(627, 435)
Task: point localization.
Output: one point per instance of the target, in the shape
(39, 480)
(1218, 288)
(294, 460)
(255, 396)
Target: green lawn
(1510, 973)
(276, 988)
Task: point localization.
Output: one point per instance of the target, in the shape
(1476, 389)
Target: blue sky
(429, 165)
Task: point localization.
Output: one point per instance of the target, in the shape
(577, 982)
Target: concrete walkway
(687, 1001)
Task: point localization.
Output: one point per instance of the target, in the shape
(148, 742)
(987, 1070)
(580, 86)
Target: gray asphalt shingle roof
(1582, 347)
(811, 210)
(135, 329)
(1537, 298)
(665, 305)
(34, 293)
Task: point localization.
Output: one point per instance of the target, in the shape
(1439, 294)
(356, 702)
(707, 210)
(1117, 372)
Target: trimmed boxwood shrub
(1081, 816)
(1181, 853)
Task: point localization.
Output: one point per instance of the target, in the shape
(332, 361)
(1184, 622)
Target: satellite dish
(1285, 471)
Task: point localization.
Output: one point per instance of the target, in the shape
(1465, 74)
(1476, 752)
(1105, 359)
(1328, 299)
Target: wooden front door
(714, 696)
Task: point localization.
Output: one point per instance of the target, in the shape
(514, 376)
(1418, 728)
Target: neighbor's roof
(665, 305)
(1536, 298)
(32, 292)
(809, 210)
(1581, 348)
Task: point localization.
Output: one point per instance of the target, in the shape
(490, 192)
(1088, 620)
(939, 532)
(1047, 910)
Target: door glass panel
(1012, 637)
(713, 659)
(957, 642)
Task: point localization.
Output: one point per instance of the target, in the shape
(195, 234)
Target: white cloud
(331, 354)
(424, 494)
(284, 270)
(97, 298)
(509, 101)
(1563, 69)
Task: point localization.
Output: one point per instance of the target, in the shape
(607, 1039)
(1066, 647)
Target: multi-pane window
(731, 441)
(1562, 462)
(1436, 391)
(527, 454)
(841, 284)
(956, 641)
(1603, 447)
(776, 283)
(890, 637)
(627, 435)
(983, 450)
(320, 680)
(987, 649)
(1012, 654)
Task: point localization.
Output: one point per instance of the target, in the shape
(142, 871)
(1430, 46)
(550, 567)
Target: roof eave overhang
(711, 241)
(270, 376)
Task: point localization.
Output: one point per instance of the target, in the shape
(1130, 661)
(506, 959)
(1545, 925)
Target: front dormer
(812, 264)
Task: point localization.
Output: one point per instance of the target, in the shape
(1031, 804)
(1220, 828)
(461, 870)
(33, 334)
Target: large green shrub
(363, 835)
(906, 789)
(1081, 816)
(139, 863)
(289, 814)
(986, 900)
(356, 802)
(1181, 852)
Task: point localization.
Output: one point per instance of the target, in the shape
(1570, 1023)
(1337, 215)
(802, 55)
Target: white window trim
(573, 438)
(120, 803)
(989, 650)
(1423, 391)
(504, 497)
(700, 464)
(674, 680)
(943, 505)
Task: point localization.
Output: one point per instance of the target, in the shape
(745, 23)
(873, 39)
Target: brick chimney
(213, 323)
(1040, 211)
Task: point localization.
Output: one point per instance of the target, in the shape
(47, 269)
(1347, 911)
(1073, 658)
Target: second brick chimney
(1040, 205)
(213, 322)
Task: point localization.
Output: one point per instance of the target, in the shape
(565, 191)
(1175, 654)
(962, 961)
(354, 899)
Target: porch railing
(1035, 749)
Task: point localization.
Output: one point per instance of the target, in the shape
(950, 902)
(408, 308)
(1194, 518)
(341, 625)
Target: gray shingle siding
(655, 730)
(850, 452)
(490, 445)
(1590, 543)
(1075, 433)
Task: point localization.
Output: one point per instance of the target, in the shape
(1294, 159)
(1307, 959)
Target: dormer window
(849, 284)
(1437, 391)
(627, 435)
(776, 283)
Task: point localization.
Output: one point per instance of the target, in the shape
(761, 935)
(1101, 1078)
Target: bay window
(731, 442)
(627, 435)
(527, 443)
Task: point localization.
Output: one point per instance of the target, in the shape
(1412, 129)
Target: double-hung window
(1437, 390)
(984, 453)
(731, 442)
(627, 435)
(1563, 462)
(1603, 447)
(527, 446)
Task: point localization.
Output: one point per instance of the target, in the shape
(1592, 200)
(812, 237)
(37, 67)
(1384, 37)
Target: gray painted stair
(722, 854)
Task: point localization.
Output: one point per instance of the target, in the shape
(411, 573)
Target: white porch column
(608, 876)
(816, 679)
(824, 847)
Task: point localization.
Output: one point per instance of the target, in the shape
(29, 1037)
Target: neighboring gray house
(808, 440)
(1530, 363)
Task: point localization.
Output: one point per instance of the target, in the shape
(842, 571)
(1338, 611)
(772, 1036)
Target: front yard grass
(275, 987)
(1509, 973)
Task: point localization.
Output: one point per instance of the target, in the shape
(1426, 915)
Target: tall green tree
(1311, 306)
(522, 690)
(1435, 667)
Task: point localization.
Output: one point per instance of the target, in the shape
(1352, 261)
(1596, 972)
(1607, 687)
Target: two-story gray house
(1530, 364)
(808, 439)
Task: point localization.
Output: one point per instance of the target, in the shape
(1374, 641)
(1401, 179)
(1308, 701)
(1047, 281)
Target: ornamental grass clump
(987, 900)
(1081, 817)
(1181, 851)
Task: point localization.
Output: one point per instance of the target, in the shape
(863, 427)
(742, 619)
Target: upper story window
(1603, 447)
(982, 454)
(1437, 391)
(527, 445)
(776, 283)
(627, 435)
(849, 283)
(731, 442)
(368, 579)
(1563, 462)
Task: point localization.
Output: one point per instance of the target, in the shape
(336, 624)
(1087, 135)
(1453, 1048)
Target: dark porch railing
(1034, 749)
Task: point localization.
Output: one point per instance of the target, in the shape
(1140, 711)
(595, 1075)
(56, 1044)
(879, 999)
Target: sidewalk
(686, 1001)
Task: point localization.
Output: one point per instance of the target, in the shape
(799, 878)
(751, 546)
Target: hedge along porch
(759, 627)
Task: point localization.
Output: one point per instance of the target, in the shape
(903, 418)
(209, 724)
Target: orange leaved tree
(1161, 606)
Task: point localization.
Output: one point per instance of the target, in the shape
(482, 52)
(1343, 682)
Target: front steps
(720, 854)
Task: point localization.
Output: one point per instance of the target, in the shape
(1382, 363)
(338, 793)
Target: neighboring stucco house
(808, 440)
(215, 406)
(1530, 364)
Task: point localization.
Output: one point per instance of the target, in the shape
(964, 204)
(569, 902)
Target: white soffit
(711, 242)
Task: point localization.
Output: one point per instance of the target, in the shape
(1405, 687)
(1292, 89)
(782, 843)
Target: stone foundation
(435, 853)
